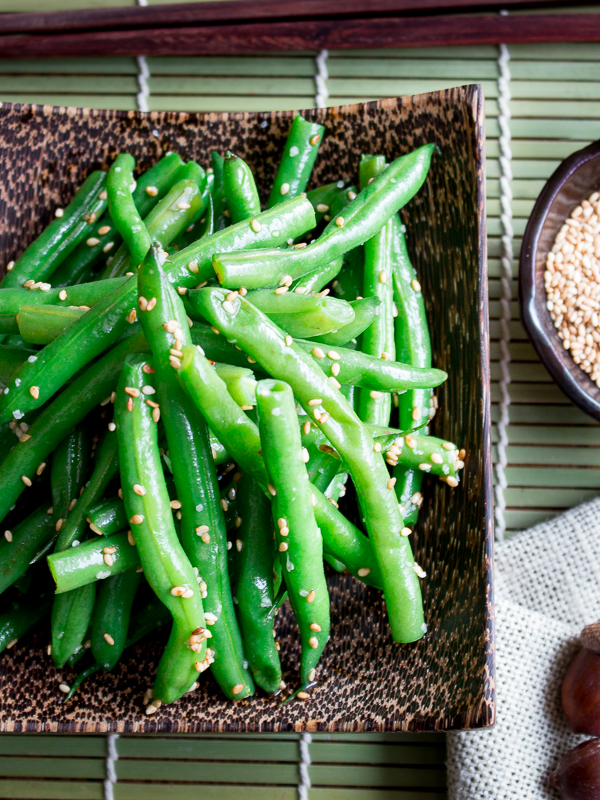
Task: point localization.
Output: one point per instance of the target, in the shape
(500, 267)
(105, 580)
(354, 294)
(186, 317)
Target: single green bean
(220, 210)
(202, 531)
(108, 517)
(61, 236)
(240, 189)
(43, 324)
(110, 619)
(164, 562)
(69, 622)
(298, 538)
(303, 316)
(364, 216)
(316, 280)
(290, 363)
(20, 546)
(84, 294)
(365, 311)
(105, 322)
(79, 566)
(299, 156)
(254, 585)
(156, 182)
(125, 216)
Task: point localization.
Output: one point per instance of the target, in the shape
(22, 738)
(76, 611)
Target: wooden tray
(444, 682)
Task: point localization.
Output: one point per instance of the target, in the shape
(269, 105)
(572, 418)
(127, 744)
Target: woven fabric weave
(547, 588)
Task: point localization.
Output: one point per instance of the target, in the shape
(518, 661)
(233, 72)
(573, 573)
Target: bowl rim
(532, 298)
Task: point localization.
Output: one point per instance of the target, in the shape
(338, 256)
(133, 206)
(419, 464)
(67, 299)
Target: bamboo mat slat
(553, 448)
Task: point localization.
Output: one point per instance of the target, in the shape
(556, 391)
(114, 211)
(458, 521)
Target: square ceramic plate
(443, 682)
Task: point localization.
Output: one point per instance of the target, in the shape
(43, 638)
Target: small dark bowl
(574, 180)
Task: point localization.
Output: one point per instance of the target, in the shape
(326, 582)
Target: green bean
(85, 564)
(68, 471)
(199, 229)
(43, 324)
(84, 294)
(378, 339)
(108, 517)
(254, 585)
(298, 538)
(203, 532)
(125, 216)
(106, 465)
(240, 436)
(300, 315)
(20, 546)
(220, 208)
(11, 360)
(61, 236)
(240, 190)
(165, 564)
(105, 322)
(349, 281)
(240, 383)
(317, 279)
(110, 619)
(156, 182)
(262, 339)
(365, 310)
(427, 454)
(299, 156)
(167, 220)
(364, 216)
(69, 622)
(18, 470)
(21, 616)
(413, 345)
(322, 198)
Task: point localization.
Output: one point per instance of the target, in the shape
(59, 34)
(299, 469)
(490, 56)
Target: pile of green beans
(204, 430)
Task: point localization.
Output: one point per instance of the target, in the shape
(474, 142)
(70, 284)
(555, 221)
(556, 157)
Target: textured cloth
(547, 583)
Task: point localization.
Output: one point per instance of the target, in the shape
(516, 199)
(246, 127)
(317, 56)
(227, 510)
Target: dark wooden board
(445, 681)
(309, 34)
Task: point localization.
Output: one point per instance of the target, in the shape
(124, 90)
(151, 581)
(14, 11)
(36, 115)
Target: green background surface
(553, 447)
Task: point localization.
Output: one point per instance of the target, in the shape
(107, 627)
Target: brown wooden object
(445, 681)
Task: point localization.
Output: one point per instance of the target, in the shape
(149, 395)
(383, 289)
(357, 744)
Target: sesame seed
(436, 458)
(313, 642)
(315, 138)
(251, 360)
(313, 500)
(108, 560)
(151, 304)
(132, 391)
(112, 427)
(300, 245)
(183, 206)
(255, 225)
(25, 480)
(238, 522)
(104, 230)
(303, 696)
(285, 188)
(132, 316)
(310, 596)
(363, 572)
(323, 419)
(109, 639)
(64, 688)
(283, 546)
(300, 290)
(92, 241)
(59, 212)
(425, 467)
(137, 519)
(405, 532)
(205, 538)
(334, 355)
(448, 446)
(288, 340)
(377, 447)
(410, 442)
(34, 391)
(224, 504)
(322, 208)
(25, 437)
(8, 536)
(383, 276)
(10, 266)
(453, 482)
(284, 531)
(391, 483)
(139, 489)
(415, 285)
(281, 290)
(287, 280)
(177, 591)
(108, 247)
(315, 627)
(238, 688)
(272, 489)
(174, 362)
(340, 222)
(130, 538)
(282, 522)
(317, 352)
(305, 455)
(152, 191)
(420, 571)
(176, 505)
(375, 394)
(316, 402)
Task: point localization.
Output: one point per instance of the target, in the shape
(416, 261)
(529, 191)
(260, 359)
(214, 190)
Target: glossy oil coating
(79, 566)
(298, 159)
(120, 185)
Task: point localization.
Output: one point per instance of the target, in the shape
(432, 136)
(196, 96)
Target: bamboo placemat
(551, 448)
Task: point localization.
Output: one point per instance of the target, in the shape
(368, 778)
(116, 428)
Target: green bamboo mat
(552, 450)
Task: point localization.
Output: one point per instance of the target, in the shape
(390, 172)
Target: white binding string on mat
(321, 78)
(143, 75)
(111, 774)
(505, 281)
(304, 783)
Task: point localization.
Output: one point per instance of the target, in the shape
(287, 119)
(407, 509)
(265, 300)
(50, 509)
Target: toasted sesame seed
(62, 295)
(415, 285)
(132, 316)
(59, 212)
(315, 627)
(310, 596)
(300, 289)
(109, 639)
(92, 241)
(405, 532)
(255, 225)
(448, 446)
(112, 427)
(10, 266)
(451, 481)
(284, 530)
(25, 480)
(375, 394)
(272, 489)
(316, 402)
(420, 571)
(436, 458)
(315, 138)
(132, 391)
(383, 276)
(8, 536)
(25, 437)
(174, 362)
(283, 546)
(303, 696)
(205, 538)
(130, 538)
(410, 442)
(104, 230)
(313, 642)
(224, 504)
(323, 419)
(340, 222)
(416, 413)
(151, 304)
(251, 360)
(238, 688)
(64, 688)
(137, 519)
(313, 500)
(322, 208)
(282, 522)
(377, 447)
(34, 391)
(285, 188)
(425, 467)
(183, 206)
(333, 355)
(391, 483)
(108, 560)
(177, 591)
(317, 352)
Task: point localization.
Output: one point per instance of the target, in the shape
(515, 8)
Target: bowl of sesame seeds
(559, 278)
